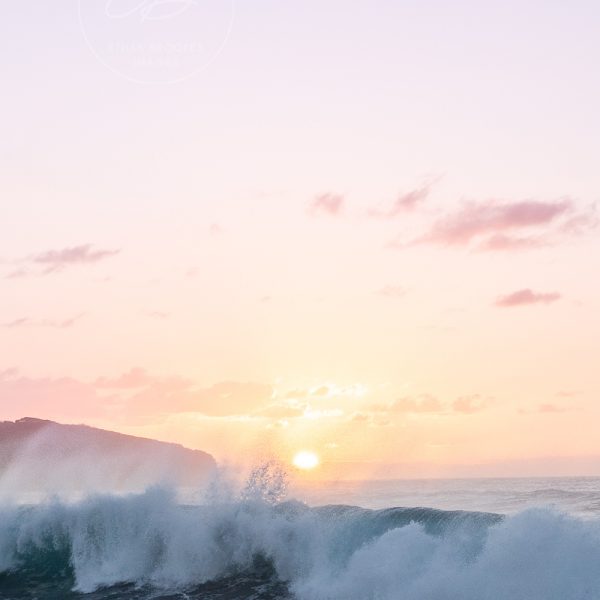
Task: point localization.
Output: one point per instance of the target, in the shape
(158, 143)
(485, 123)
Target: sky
(364, 229)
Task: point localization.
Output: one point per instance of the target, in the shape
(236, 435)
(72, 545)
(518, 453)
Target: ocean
(476, 539)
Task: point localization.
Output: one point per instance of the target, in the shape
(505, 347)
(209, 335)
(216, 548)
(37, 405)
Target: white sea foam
(324, 554)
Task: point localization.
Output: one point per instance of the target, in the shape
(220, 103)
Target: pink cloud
(404, 203)
(496, 225)
(47, 397)
(501, 241)
(493, 217)
(135, 396)
(428, 404)
(551, 408)
(8, 373)
(568, 393)
(28, 322)
(17, 274)
(134, 378)
(548, 408)
(525, 297)
(231, 398)
(157, 395)
(392, 291)
(55, 260)
(331, 204)
(157, 314)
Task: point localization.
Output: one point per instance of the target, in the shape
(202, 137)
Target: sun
(305, 460)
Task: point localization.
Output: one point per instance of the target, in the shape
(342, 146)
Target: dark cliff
(48, 456)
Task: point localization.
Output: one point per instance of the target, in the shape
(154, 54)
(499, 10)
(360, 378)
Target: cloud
(424, 403)
(134, 396)
(47, 397)
(360, 417)
(526, 296)
(548, 408)
(28, 322)
(134, 378)
(17, 274)
(407, 202)
(552, 408)
(469, 404)
(392, 291)
(56, 260)
(568, 393)
(231, 398)
(322, 390)
(8, 373)
(154, 396)
(370, 419)
(496, 225)
(282, 411)
(329, 204)
(502, 242)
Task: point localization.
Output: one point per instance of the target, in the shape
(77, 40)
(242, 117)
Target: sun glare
(306, 460)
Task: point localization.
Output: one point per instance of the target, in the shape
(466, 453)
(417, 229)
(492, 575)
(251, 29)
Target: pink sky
(365, 229)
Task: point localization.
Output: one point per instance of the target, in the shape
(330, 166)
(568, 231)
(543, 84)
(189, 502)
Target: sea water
(487, 539)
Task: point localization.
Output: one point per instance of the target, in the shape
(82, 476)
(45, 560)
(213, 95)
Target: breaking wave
(256, 549)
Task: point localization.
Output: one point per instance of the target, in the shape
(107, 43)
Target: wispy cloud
(496, 225)
(329, 204)
(469, 404)
(47, 397)
(552, 408)
(8, 373)
(17, 274)
(548, 408)
(392, 291)
(29, 322)
(153, 394)
(568, 393)
(134, 378)
(134, 396)
(369, 418)
(502, 242)
(526, 296)
(56, 260)
(53, 261)
(404, 203)
(424, 403)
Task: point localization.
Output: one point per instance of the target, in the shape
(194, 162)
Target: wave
(150, 542)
